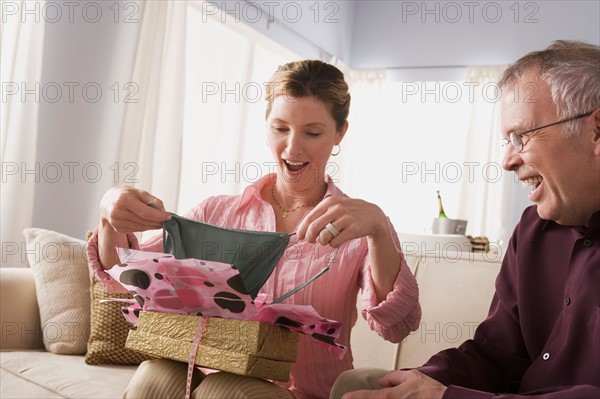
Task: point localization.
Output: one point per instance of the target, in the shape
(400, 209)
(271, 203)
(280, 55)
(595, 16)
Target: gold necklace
(286, 212)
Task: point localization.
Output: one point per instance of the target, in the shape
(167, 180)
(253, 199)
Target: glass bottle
(442, 214)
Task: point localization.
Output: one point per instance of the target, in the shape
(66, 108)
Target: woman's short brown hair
(312, 78)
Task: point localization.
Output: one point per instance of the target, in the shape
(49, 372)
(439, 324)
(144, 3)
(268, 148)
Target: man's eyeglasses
(516, 138)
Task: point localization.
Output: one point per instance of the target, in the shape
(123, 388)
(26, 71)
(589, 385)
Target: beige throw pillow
(60, 270)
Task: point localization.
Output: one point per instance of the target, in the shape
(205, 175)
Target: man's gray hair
(571, 69)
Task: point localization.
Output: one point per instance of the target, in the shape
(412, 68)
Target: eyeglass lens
(516, 141)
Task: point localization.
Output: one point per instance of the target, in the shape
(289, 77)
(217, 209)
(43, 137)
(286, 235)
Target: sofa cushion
(61, 276)
(109, 331)
(13, 386)
(455, 296)
(455, 291)
(369, 349)
(47, 375)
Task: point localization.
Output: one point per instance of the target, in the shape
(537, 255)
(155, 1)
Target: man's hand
(410, 384)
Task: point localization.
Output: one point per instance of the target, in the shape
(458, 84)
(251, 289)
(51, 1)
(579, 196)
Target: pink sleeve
(198, 212)
(154, 244)
(96, 269)
(399, 313)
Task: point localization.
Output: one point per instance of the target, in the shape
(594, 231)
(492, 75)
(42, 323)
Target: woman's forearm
(108, 240)
(384, 259)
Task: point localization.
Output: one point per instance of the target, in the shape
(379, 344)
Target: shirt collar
(332, 189)
(593, 224)
(252, 192)
(593, 227)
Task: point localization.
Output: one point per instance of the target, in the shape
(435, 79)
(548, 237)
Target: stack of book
(479, 244)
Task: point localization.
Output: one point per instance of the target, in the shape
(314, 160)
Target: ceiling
(397, 34)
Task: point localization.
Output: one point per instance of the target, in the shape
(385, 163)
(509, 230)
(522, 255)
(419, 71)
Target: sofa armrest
(19, 313)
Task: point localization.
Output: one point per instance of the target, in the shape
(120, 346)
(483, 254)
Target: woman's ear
(341, 133)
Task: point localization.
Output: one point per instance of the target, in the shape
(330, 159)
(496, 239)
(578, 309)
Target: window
(404, 148)
(224, 138)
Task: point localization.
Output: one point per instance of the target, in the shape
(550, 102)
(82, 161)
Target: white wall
(424, 35)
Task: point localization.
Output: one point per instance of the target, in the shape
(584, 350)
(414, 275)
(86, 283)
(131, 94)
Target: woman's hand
(336, 220)
(352, 218)
(126, 210)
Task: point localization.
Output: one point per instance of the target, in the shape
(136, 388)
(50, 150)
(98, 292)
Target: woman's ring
(334, 232)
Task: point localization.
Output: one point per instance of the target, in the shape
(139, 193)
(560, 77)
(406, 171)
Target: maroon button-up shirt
(542, 335)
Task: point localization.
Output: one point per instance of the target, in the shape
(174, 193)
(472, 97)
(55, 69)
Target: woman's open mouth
(294, 166)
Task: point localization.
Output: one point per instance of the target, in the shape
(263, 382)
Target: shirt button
(587, 243)
(546, 356)
(567, 301)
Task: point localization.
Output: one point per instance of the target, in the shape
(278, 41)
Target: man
(542, 335)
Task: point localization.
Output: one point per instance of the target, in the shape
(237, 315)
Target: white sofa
(455, 292)
(26, 369)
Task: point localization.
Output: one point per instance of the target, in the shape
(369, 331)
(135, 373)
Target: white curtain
(224, 141)
(485, 196)
(366, 88)
(152, 129)
(21, 69)
(198, 129)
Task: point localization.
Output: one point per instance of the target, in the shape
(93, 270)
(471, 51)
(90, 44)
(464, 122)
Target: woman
(307, 111)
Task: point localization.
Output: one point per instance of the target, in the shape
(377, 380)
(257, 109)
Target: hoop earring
(338, 151)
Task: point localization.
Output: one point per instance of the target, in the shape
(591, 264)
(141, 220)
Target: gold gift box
(242, 347)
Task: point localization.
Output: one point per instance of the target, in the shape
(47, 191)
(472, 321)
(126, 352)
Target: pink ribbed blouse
(333, 294)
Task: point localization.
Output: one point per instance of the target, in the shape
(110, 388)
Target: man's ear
(596, 131)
